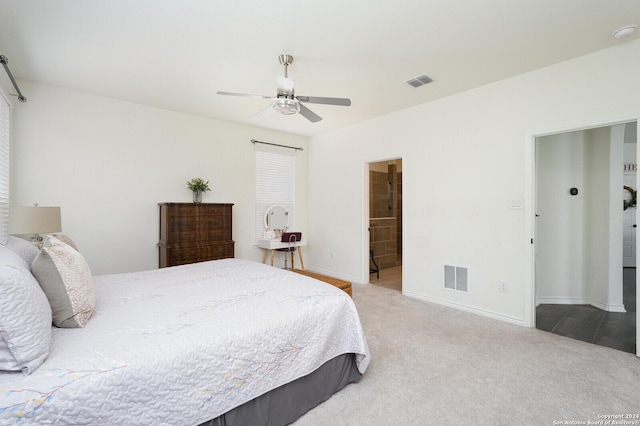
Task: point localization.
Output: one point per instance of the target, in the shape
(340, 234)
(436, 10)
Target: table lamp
(34, 220)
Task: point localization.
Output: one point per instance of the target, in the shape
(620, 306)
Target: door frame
(366, 219)
(530, 212)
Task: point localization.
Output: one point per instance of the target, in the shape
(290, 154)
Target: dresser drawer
(214, 222)
(197, 253)
(217, 235)
(218, 251)
(201, 237)
(217, 210)
(183, 237)
(182, 223)
(184, 210)
(184, 255)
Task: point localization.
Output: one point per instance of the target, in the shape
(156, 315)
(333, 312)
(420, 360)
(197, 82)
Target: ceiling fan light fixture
(286, 106)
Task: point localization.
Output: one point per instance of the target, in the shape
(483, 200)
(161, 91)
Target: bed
(218, 343)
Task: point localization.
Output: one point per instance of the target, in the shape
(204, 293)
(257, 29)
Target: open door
(384, 225)
(579, 223)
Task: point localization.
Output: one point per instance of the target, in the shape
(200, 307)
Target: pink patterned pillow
(67, 282)
(65, 239)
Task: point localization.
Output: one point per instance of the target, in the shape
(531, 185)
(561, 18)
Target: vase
(197, 196)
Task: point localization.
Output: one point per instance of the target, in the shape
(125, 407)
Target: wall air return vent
(421, 80)
(456, 278)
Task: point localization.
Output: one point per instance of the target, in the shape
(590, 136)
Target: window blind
(4, 166)
(275, 184)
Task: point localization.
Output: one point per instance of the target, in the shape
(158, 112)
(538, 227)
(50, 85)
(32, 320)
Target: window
(4, 166)
(275, 184)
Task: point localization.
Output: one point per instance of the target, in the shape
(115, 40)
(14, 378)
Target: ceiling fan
(286, 102)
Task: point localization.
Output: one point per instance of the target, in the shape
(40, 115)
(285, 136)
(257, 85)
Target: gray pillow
(25, 316)
(26, 249)
(66, 280)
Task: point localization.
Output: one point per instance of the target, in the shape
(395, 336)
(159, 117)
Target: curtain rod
(5, 61)
(253, 141)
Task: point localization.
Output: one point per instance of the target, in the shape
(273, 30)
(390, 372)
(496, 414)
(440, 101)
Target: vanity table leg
(273, 254)
(300, 256)
(264, 255)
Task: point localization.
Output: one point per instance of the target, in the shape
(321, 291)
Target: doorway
(584, 225)
(385, 223)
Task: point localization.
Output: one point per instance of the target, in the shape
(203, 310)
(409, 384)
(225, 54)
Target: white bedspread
(183, 345)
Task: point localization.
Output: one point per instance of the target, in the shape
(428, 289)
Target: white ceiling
(177, 54)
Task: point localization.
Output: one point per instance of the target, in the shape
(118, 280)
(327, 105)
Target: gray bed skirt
(287, 403)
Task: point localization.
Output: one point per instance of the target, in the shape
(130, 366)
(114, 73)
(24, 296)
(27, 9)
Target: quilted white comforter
(183, 345)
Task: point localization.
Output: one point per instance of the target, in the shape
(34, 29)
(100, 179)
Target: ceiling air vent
(421, 80)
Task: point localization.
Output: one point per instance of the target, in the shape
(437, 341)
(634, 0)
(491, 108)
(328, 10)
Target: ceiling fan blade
(326, 101)
(262, 113)
(309, 115)
(246, 95)
(285, 86)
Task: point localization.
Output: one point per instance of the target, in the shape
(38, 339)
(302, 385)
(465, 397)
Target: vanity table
(276, 221)
(272, 244)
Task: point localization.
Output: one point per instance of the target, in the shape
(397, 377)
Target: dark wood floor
(590, 324)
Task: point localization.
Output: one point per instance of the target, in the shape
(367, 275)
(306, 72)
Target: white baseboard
(562, 301)
(481, 312)
(608, 307)
(580, 301)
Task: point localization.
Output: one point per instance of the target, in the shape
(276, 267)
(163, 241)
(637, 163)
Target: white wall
(108, 163)
(612, 299)
(598, 224)
(562, 162)
(465, 158)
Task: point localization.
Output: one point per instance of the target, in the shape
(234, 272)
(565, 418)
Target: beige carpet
(433, 365)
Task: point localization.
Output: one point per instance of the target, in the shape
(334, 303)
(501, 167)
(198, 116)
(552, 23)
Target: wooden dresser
(191, 232)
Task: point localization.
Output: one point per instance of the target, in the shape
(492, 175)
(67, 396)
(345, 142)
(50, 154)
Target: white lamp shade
(34, 220)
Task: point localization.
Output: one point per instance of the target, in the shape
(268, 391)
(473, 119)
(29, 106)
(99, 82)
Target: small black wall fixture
(5, 61)
(573, 191)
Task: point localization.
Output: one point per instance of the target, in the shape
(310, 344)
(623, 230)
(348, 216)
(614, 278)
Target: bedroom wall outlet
(502, 286)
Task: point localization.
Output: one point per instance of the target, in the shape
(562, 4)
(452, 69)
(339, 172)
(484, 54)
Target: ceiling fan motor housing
(286, 106)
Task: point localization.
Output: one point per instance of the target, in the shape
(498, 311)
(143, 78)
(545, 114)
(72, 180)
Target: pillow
(26, 249)
(25, 316)
(65, 239)
(66, 280)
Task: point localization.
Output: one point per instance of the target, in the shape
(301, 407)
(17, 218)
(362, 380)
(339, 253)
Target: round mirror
(276, 217)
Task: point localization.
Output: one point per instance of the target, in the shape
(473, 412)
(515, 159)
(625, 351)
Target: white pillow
(26, 249)
(66, 280)
(25, 316)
